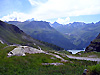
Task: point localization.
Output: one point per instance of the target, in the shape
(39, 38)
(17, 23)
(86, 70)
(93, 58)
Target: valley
(79, 33)
(42, 30)
(49, 37)
(76, 35)
(22, 52)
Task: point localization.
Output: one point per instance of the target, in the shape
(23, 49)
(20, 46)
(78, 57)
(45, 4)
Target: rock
(55, 64)
(17, 51)
(52, 58)
(64, 60)
(92, 56)
(21, 50)
(34, 43)
(94, 45)
(90, 48)
(79, 53)
(39, 48)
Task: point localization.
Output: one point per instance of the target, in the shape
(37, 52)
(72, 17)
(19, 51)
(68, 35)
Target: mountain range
(18, 58)
(12, 35)
(76, 35)
(42, 30)
(79, 33)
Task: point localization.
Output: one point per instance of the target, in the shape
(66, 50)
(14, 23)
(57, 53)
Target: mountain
(41, 30)
(26, 60)
(94, 45)
(55, 24)
(80, 33)
(12, 35)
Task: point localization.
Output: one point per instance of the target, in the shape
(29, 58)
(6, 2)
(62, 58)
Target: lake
(75, 51)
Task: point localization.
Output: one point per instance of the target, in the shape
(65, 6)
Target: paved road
(83, 58)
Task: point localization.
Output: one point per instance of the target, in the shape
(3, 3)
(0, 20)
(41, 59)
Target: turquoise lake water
(75, 51)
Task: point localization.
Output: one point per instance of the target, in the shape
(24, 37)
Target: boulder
(21, 50)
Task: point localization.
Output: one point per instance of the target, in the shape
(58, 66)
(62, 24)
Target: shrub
(94, 70)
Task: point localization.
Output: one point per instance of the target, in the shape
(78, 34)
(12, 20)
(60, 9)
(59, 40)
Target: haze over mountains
(76, 35)
(79, 33)
(41, 30)
(12, 35)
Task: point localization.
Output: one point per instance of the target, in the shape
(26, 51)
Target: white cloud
(63, 21)
(35, 2)
(15, 16)
(51, 9)
(61, 8)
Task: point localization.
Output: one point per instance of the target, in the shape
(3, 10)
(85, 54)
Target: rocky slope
(23, 50)
(11, 34)
(94, 45)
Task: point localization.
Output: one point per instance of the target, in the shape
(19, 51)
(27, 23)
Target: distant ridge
(41, 30)
(12, 35)
(79, 33)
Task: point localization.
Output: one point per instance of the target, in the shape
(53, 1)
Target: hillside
(26, 60)
(41, 30)
(94, 45)
(50, 63)
(79, 33)
(12, 35)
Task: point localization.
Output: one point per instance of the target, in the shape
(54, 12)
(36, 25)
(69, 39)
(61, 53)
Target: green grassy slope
(13, 35)
(31, 64)
(94, 70)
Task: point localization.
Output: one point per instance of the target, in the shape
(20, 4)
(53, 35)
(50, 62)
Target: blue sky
(62, 11)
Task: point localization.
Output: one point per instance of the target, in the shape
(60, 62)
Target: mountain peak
(98, 22)
(56, 24)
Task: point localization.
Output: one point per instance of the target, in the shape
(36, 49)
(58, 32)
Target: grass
(31, 64)
(75, 61)
(2, 46)
(94, 70)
